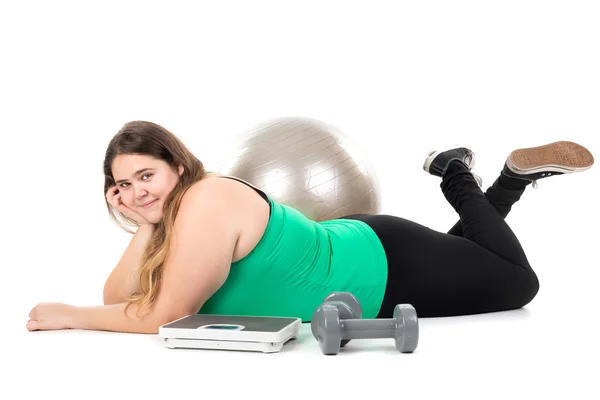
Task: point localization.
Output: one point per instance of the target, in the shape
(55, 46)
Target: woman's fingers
(113, 196)
(32, 325)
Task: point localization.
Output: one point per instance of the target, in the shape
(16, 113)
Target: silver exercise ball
(306, 164)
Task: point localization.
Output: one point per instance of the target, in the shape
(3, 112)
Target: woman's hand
(114, 198)
(51, 316)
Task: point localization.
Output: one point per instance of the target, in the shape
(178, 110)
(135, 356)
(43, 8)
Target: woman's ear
(180, 169)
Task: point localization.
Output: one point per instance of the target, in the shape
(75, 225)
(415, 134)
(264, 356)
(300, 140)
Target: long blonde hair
(147, 138)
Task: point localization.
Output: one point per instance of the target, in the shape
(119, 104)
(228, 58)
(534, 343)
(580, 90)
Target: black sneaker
(555, 158)
(437, 161)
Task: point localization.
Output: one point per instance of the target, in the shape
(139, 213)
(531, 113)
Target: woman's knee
(529, 287)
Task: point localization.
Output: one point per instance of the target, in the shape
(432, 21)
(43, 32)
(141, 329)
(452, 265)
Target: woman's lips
(148, 205)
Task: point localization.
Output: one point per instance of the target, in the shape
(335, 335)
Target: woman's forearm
(113, 318)
(124, 279)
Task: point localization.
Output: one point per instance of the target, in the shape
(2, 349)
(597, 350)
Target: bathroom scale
(230, 332)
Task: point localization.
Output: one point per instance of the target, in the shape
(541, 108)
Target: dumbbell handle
(368, 328)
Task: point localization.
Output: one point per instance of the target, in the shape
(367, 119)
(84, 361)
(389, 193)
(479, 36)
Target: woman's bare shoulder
(213, 175)
(210, 185)
(213, 203)
(220, 193)
(230, 207)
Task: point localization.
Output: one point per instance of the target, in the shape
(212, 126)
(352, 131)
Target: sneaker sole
(563, 157)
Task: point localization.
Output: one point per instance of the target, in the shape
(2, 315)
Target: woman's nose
(140, 192)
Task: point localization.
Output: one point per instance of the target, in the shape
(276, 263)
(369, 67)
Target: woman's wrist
(75, 317)
(149, 227)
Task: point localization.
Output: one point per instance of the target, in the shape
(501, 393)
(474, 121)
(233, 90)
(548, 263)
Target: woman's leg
(447, 275)
(523, 167)
(502, 195)
(481, 223)
(485, 268)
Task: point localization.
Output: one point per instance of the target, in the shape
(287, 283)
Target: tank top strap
(260, 192)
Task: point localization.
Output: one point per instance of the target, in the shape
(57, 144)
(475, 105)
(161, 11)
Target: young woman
(207, 243)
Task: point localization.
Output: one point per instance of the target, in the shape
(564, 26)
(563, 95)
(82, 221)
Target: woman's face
(144, 183)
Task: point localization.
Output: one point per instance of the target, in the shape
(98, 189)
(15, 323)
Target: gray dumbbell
(331, 327)
(348, 306)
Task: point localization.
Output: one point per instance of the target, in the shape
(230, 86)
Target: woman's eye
(144, 177)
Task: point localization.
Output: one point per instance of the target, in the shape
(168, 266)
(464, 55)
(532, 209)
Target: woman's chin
(154, 219)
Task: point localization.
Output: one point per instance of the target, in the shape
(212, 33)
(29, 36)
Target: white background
(403, 78)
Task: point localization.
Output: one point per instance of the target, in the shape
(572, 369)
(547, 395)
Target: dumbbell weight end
(403, 327)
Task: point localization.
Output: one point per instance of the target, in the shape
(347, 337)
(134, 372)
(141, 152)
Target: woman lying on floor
(208, 243)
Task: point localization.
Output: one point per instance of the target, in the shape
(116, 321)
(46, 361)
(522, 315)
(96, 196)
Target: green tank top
(298, 262)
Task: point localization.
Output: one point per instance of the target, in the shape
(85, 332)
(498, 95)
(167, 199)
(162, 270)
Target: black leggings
(477, 267)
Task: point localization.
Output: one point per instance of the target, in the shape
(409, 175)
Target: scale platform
(230, 332)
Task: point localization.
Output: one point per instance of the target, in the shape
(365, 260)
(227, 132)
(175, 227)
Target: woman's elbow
(110, 296)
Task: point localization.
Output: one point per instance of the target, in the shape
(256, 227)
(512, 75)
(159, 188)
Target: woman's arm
(124, 279)
(206, 232)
